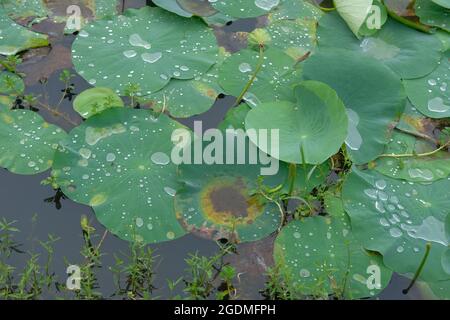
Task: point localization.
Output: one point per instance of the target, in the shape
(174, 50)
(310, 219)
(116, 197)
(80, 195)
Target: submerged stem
(419, 270)
(252, 79)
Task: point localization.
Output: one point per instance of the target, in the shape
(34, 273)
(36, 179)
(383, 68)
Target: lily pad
(27, 142)
(373, 106)
(443, 3)
(431, 94)
(19, 9)
(295, 37)
(354, 12)
(307, 176)
(220, 201)
(120, 52)
(419, 169)
(186, 98)
(398, 219)
(410, 53)
(433, 14)
(295, 9)
(96, 100)
(322, 257)
(190, 8)
(14, 38)
(118, 163)
(275, 76)
(310, 130)
(245, 8)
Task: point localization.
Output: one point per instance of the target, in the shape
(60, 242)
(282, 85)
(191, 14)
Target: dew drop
(160, 158)
(151, 57)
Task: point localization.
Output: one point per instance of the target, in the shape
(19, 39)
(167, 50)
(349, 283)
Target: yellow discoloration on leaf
(205, 90)
(6, 118)
(228, 203)
(97, 200)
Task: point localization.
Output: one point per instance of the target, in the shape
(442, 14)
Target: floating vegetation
(348, 103)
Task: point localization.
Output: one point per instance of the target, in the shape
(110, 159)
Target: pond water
(33, 205)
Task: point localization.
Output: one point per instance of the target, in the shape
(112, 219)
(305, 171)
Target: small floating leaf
(95, 100)
(27, 142)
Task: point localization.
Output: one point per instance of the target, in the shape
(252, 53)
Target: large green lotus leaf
(245, 8)
(354, 12)
(294, 37)
(310, 130)
(433, 14)
(18, 9)
(373, 106)
(431, 94)
(149, 43)
(307, 176)
(96, 100)
(410, 53)
(443, 3)
(27, 142)
(14, 38)
(322, 257)
(118, 163)
(419, 169)
(295, 9)
(274, 81)
(398, 219)
(186, 98)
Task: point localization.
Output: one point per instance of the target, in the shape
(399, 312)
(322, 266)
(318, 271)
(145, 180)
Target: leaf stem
(419, 270)
(252, 79)
(419, 155)
(57, 113)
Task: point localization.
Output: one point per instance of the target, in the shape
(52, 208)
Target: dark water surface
(23, 198)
